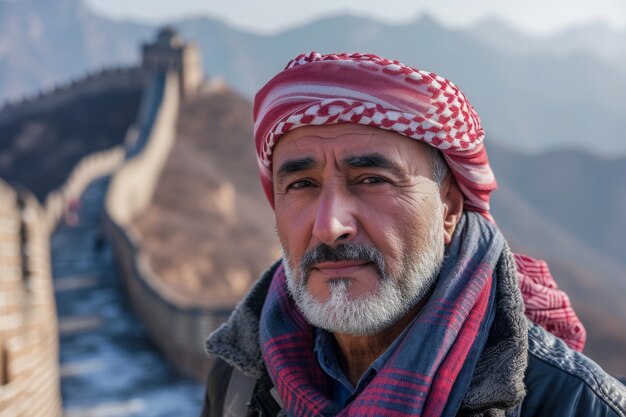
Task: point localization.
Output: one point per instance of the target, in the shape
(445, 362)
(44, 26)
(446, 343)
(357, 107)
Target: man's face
(360, 222)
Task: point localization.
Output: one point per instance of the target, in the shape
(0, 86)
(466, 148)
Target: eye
(300, 184)
(373, 180)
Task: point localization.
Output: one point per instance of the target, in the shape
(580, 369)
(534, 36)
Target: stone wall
(89, 168)
(133, 184)
(29, 370)
(178, 327)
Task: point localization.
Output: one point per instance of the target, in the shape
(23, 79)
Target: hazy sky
(267, 16)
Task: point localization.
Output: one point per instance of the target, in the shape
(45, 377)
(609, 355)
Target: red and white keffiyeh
(316, 89)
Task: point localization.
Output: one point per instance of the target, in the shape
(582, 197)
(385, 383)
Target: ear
(452, 199)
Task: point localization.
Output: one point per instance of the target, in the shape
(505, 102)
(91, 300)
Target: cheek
(397, 226)
(292, 231)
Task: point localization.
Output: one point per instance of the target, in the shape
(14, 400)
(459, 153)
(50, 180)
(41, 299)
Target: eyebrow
(295, 165)
(372, 160)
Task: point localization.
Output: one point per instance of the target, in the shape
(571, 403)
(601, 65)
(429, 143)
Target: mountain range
(594, 37)
(532, 93)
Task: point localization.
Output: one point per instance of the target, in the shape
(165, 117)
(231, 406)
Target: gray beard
(371, 313)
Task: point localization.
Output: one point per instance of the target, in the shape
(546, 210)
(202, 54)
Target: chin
(344, 312)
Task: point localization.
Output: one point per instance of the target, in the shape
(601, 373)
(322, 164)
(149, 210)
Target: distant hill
(40, 150)
(560, 92)
(594, 38)
(582, 194)
(209, 231)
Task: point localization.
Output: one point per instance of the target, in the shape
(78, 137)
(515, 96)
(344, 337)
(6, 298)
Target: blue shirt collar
(325, 351)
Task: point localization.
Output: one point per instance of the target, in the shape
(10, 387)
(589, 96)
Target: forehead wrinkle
(301, 143)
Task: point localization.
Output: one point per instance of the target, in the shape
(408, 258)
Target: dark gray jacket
(523, 370)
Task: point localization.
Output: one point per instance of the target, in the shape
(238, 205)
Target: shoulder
(232, 393)
(563, 382)
(236, 354)
(216, 387)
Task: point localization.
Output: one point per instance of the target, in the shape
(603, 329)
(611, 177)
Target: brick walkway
(109, 367)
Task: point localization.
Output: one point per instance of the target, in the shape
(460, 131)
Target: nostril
(344, 236)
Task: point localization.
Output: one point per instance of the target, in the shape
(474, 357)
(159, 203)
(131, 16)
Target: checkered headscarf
(317, 89)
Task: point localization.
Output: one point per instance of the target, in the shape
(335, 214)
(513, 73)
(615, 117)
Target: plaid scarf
(429, 372)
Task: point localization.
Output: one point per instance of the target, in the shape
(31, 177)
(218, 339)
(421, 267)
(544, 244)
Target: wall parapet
(88, 169)
(132, 186)
(29, 369)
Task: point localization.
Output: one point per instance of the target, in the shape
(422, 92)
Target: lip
(341, 268)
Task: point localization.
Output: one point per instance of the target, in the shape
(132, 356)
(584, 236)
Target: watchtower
(170, 53)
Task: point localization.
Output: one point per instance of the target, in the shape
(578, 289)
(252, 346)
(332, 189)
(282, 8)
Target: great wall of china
(29, 368)
(178, 327)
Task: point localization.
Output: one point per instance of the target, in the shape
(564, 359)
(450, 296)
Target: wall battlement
(170, 53)
(29, 370)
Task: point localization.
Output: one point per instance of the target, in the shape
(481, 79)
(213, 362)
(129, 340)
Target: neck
(357, 353)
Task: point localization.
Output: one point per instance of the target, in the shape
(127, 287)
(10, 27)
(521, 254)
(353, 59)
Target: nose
(334, 218)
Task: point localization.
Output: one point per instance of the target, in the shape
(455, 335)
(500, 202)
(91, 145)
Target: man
(397, 294)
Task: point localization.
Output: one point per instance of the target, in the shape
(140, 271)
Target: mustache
(343, 252)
